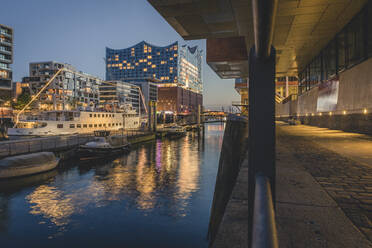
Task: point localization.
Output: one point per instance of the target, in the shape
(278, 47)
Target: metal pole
(261, 124)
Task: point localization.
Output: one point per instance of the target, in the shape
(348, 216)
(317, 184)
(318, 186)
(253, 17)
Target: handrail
(263, 228)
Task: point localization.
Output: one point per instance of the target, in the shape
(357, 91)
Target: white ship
(65, 122)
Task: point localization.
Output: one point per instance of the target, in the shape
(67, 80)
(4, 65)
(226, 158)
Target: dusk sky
(77, 32)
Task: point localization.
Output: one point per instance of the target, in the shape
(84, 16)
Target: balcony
(5, 84)
(3, 41)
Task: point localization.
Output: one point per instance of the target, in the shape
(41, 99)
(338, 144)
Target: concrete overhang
(302, 27)
(228, 57)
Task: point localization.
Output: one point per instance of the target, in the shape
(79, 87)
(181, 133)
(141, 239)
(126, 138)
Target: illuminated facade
(69, 89)
(116, 94)
(171, 65)
(6, 59)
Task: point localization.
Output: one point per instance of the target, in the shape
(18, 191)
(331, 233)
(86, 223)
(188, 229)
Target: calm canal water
(158, 195)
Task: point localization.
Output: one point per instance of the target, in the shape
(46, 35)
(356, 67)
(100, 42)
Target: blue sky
(77, 32)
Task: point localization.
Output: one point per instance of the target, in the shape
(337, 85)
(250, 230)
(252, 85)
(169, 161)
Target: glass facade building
(351, 46)
(170, 65)
(118, 94)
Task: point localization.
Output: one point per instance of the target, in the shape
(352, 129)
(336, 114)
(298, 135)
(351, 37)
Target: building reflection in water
(166, 172)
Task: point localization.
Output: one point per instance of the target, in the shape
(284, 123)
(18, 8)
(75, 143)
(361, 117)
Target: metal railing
(23, 146)
(264, 233)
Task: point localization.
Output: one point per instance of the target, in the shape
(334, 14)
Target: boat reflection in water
(158, 195)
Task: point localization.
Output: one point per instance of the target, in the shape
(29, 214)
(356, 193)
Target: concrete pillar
(155, 116)
(198, 115)
(150, 118)
(261, 146)
(286, 87)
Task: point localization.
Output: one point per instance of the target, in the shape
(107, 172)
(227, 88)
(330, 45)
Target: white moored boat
(70, 122)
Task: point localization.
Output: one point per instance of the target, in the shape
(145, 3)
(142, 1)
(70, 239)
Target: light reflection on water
(160, 191)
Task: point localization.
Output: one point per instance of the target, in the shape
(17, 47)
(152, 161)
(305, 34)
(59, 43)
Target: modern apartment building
(171, 66)
(6, 59)
(119, 94)
(69, 90)
(149, 89)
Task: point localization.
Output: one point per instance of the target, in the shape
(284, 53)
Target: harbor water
(158, 195)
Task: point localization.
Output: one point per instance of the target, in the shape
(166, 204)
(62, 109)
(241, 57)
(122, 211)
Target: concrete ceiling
(302, 27)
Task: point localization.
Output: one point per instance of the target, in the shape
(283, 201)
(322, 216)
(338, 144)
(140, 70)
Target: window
(95, 125)
(90, 125)
(99, 115)
(355, 41)
(85, 125)
(59, 125)
(104, 124)
(78, 125)
(95, 115)
(100, 125)
(341, 47)
(109, 124)
(72, 125)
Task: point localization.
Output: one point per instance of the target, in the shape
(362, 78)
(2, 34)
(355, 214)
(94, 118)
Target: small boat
(174, 130)
(103, 145)
(27, 164)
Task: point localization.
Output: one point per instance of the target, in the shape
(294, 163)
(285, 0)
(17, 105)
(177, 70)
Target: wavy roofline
(143, 42)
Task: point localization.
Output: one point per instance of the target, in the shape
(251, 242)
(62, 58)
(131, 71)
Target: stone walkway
(341, 165)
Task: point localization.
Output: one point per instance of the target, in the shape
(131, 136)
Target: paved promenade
(324, 187)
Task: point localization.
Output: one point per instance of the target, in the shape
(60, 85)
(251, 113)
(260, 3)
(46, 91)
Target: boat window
(95, 125)
(99, 115)
(72, 125)
(90, 115)
(100, 125)
(85, 125)
(90, 125)
(59, 125)
(78, 125)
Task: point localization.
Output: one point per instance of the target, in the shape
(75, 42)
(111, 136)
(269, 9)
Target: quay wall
(345, 104)
(232, 154)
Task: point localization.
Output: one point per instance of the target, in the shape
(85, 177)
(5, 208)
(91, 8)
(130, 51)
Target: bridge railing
(264, 233)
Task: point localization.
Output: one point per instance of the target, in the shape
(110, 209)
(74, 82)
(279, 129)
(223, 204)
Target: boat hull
(27, 169)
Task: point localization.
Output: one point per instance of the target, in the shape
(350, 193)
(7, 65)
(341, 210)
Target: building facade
(6, 59)
(69, 90)
(169, 66)
(118, 94)
(149, 90)
(178, 100)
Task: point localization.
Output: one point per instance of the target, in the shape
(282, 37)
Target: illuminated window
(153, 66)
(149, 57)
(158, 53)
(137, 63)
(141, 60)
(144, 69)
(145, 60)
(149, 63)
(175, 55)
(170, 58)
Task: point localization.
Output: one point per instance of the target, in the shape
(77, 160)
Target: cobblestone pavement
(346, 180)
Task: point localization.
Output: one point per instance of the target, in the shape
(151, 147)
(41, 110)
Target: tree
(22, 100)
